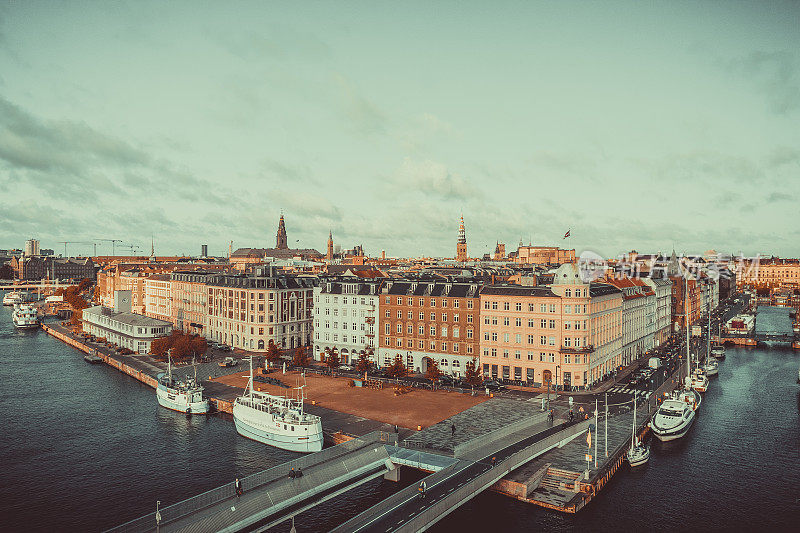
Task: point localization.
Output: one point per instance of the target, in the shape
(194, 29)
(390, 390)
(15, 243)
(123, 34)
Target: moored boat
(185, 395)
(12, 298)
(25, 316)
(718, 352)
(639, 453)
(699, 381)
(673, 420)
(276, 420)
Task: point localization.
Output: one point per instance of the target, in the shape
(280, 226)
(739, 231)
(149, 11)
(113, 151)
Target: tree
(363, 364)
(300, 358)
(433, 373)
(333, 359)
(473, 375)
(199, 346)
(397, 369)
(273, 353)
(6, 272)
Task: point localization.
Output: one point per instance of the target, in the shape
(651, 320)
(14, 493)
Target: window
(421, 329)
(542, 339)
(421, 315)
(455, 349)
(399, 343)
(542, 356)
(469, 333)
(568, 293)
(444, 302)
(494, 306)
(469, 304)
(567, 324)
(433, 302)
(552, 324)
(505, 337)
(444, 331)
(530, 356)
(518, 306)
(455, 303)
(444, 317)
(517, 355)
(552, 341)
(530, 339)
(531, 323)
(388, 329)
(494, 336)
(505, 354)
(552, 308)
(486, 304)
(506, 321)
(518, 322)
(410, 314)
(567, 341)
(506, 306)
(456, 331)
(399, 328)
(399, 300)
(568, 309)
(455, 317)
(543, 323)
(433, 316)
(494, 352)
(469, 319)
(421, 302)
(399, 314)
(433, 330)
(518, 338)
(410, 329)
(567, 358)
(410, 301)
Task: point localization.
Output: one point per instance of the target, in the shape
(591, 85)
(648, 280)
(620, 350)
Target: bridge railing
(253, 481)
(487, 438)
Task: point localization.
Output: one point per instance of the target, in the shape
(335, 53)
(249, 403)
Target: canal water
(84, 447)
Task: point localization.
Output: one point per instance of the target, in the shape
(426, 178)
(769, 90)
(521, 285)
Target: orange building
(544, 255)
(567, 334)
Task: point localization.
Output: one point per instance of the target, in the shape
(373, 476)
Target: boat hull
(177, 402)
(638, 459)
(666, 435)
(259, 426)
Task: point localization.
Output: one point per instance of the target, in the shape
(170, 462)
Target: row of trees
(74, 296)
(180, 345)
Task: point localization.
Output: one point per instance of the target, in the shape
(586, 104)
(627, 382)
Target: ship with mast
(276, 420)
(184, 395)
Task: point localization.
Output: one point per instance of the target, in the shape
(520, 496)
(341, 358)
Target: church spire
(281, 242)
(329, 255)
(461, 245)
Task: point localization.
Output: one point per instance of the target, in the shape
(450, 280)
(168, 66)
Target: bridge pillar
(394, 471)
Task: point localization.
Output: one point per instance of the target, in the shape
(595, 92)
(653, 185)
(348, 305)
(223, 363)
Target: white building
(345, 316)
(663, 316)
(639, 307)
(158, 297)
(122, 327)
(31, 248)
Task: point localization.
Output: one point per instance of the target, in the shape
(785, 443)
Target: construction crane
(65, 243)
(113, 242)
(132, 247)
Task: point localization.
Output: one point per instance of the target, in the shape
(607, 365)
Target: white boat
(718, 352)
(699, 381)
(690, 397)
(276, 420)
(12, 298)
(673, 420)
(185, 396)
(639, 453)
(25, 316)
(711, 367)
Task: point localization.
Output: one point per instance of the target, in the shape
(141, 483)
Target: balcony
(576, 349)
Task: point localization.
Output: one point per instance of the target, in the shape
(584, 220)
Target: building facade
(249, 310)
(544, 255)
(189, 301)
(423, 320)
(345, 316)
(663, 291)
(567, 334)
(158, 297)
(639, 308)
(122, 327)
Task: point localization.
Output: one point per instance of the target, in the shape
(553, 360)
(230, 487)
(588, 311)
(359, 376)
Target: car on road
(228, 361)
(224, 348)
(346, 368)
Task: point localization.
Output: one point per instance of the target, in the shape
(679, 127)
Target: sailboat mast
(633, 429)
(169, 364)
(250, 381)
(686, 319)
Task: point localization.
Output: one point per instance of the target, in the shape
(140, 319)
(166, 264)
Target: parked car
(224, 348)
(448, 381)
(228, 361)
(493, 385)
(346, 368)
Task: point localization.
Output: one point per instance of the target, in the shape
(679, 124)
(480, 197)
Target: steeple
(280, 240)
(329, 255)
(461, 245)
(152, 248)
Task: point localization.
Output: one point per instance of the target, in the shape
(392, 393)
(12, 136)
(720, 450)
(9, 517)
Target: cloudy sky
(634, 126)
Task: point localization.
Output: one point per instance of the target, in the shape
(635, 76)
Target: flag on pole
(566, 234)
(589, 438)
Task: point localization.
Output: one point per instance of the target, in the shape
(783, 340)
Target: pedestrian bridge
(271, 496)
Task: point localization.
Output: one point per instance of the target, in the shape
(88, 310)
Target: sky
(634, 125)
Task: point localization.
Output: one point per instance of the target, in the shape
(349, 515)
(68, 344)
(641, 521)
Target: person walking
(422, 487)
(494, 461)
(238, 486)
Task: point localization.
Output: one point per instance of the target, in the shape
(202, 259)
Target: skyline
(384, 123)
